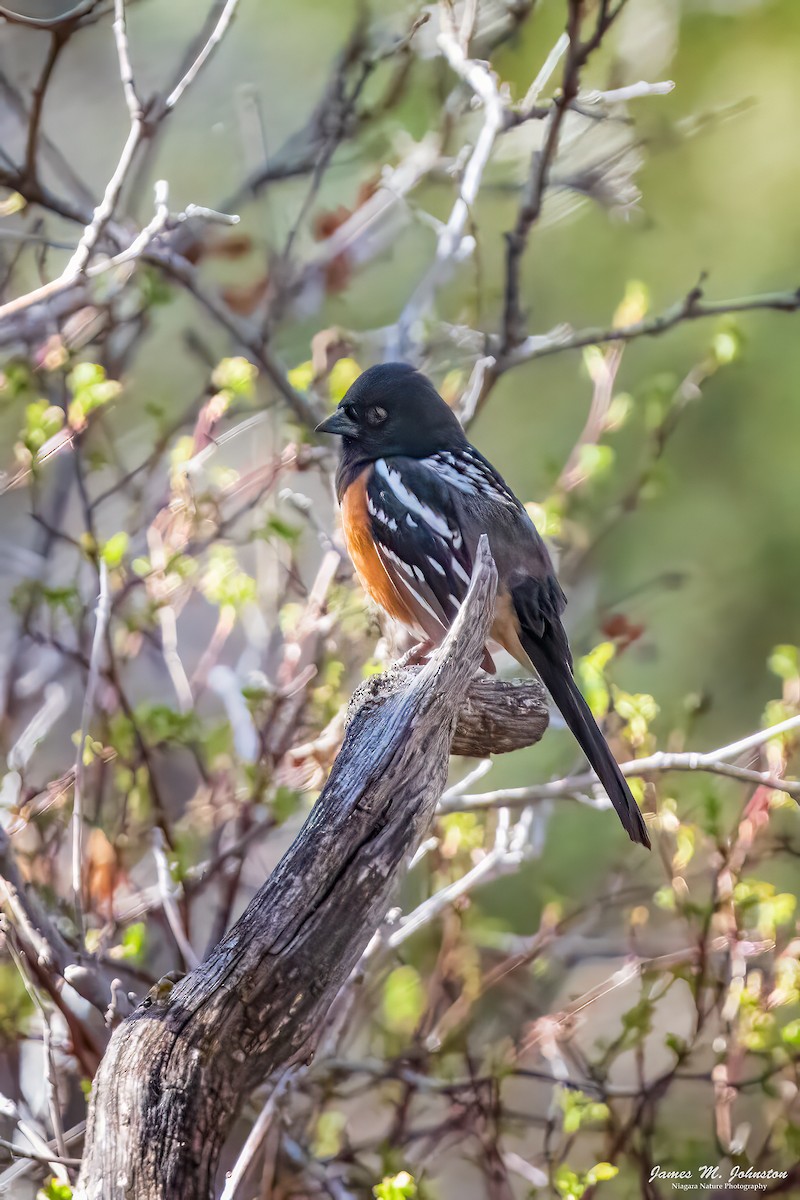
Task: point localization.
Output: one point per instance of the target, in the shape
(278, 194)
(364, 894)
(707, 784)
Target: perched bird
(416, 497)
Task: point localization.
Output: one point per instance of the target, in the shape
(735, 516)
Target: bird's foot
(417, 654)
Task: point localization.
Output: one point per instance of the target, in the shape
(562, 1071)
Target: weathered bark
(176, 1070)
(496, 715)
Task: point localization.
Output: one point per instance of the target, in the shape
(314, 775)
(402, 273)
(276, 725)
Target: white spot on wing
(420, 599)
(458, 570)
(404, 494)
(469, 475)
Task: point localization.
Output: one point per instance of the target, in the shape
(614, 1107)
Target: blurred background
(676, 530)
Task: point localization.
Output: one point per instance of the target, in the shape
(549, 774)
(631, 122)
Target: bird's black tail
(558, 679)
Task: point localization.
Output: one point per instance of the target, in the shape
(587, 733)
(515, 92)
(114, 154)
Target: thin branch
(166, 888)
(9, 1109)
(57, 43)
(215, 37)
(125, 68)
(492, 361)
(577, 54)
(46, 944)
(450, 242)
(246, 334)
(714, 762)
(691, 308)
(138, 131)
(68, 18)
(632, 91)
(105, 209)
(543, 77)
(102, 613)
(506, 854)
(19, 1152)
(256, 1137)
(50, 1072)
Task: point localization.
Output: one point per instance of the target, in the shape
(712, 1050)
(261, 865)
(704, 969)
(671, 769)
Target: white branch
(216, 36)
(715, 762)
(450, 241)
(633, 91)
(166, 888)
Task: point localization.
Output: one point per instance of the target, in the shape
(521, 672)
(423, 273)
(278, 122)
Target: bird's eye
(376, 415)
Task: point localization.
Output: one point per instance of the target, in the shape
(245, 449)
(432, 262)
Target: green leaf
(685, 838)
(133, 943)
(236, 375)
(601, 1171)
(114, 549)
(277, 527)
(634, 303)
(726, 345)
(591, 672)
(224, 583)
(568, 1183)
(54, 1190)
(42, 421)
(619, 410)
(90, 391)
(85, 375)
(676, 1044)
(638, 710)
(791, 1034)
(343, 373)
(396, 1187)
(301, 377)
(403, 1000)
(595, 461)
(329, 1134)
(578, 1107)
(161, 724)
(784, 662)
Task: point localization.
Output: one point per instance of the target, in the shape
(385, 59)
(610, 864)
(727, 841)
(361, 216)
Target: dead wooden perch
(176, 1071)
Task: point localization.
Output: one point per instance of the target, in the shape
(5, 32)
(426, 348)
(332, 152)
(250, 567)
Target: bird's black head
(392, 409)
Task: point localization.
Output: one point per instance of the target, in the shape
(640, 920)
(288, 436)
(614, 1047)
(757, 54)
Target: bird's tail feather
(559, 681)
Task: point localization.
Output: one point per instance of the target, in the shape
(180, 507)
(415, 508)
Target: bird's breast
(361, 548)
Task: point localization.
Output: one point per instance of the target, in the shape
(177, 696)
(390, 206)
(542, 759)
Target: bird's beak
(339, 423)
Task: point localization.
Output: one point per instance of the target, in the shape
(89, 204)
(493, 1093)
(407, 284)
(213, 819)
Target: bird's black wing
(526, 571)
(419, 540)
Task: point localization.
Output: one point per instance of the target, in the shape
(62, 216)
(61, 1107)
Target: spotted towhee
(416, 497)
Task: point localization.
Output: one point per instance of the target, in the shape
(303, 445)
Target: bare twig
(166, 888)
(214, 39)
(9, 1109)
(577, 54)
(71, 17)
(713, 761)
(451, 242)
(492, 361)
(256, 1137)
(125, 69)
(102, 614)
(138, 131)
(57, 43)
(692, 307)
(604, 374)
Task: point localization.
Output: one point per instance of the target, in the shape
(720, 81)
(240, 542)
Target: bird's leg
(417, 654)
